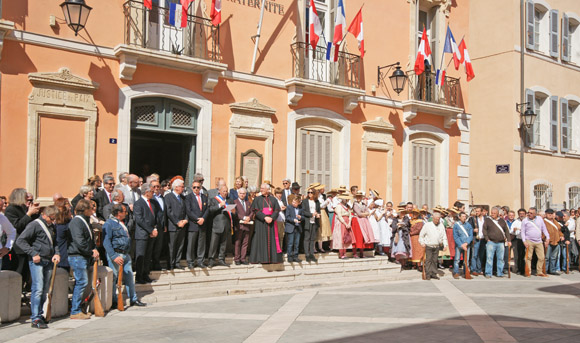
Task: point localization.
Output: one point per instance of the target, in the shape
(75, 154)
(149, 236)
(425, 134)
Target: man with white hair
(221, 227)
(176, 222)
(147, 227)
(497, 235)
(105, 197)
(219, 183)
(133, 193)
(433, 236)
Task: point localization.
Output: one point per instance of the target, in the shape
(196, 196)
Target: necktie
(198, 201)
(243, 205)
(110, 199)
(149, 203)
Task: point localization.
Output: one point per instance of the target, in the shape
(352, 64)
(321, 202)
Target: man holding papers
(221, 226)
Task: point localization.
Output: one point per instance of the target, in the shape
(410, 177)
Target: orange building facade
(134, 93)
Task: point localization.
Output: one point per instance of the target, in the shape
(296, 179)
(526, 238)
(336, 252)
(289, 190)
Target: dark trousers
(310, 235)
(519, 254)
(176, 240)
(293, 240)
(159, 244)
(195, 246)
(241, 245)
(143, 252)
(218, 240)
(431, 256)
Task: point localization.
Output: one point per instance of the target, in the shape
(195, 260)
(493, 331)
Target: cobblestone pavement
(447, 310)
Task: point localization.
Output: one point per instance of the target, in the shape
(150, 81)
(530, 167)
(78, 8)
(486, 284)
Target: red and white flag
(423, 54)
(315, 26)
(466, 60)
(356, 28)
(216, 12)
(148, 4)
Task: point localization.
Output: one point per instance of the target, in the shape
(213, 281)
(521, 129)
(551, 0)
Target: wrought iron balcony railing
(424, 88)
(311, 64)
(152, 29)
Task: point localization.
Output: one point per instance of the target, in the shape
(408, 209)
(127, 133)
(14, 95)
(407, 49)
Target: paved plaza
(447, 310)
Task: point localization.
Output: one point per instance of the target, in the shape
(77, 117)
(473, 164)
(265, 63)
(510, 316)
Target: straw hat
(373, 193)
(345, 196)
(454, 210)
(342, 189)
(333, 191)
(314, 185)
(319, 187)
(360, 194)
(440, 209)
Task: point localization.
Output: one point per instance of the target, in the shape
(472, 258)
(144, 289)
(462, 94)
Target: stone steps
(329, 271)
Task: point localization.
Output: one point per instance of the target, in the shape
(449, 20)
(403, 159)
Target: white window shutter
(554, 33)
(530, 24)
(531, 100)
(565, 126)
(554, 123)
(565, 38)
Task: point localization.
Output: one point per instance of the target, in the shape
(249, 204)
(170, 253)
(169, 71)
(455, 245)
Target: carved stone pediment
(379, 124)
(253, 106)
(378, 132)
(63, 78)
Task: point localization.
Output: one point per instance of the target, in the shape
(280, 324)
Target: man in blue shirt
(463, 236)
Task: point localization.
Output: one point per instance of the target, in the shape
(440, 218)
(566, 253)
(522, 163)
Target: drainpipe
(522, 96)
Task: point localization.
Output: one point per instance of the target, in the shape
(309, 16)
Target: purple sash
(269, 211)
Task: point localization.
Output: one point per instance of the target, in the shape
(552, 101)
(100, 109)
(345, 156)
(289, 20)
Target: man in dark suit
(160, 242)
(221, 227)
(196, 206)
(241, 220)
(286, 191)
(105, 197)
(146, 213)
(176, 222)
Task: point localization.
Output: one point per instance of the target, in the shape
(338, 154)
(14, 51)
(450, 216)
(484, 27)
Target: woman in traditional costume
(401, 240)
(342, 235)
(361, 227)
(324, 232)
(418, 251)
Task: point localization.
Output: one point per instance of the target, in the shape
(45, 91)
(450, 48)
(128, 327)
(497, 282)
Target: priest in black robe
(265, 244)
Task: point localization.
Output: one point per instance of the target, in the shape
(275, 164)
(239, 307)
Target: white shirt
(480, 227)
(159, 199)
(571, 224)
(282, 214)
(516, 228)
(432, 234)
(6, 226)
(312, 205)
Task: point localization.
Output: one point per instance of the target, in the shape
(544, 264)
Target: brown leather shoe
(542, 275)
(456, 276)
(80, 315)
(476, 274)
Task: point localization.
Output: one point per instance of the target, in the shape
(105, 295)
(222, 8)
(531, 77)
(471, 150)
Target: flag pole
(343, 37)
(258, 37)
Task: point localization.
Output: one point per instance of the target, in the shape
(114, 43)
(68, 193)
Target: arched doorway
(163, 138)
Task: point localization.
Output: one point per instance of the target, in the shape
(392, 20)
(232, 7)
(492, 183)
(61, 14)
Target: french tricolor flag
(451, 47)
(339, 23)
(440, 78)
(177, 15)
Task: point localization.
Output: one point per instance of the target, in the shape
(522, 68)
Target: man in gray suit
(221, 227)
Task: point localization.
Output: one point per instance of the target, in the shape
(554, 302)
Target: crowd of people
(154, 222)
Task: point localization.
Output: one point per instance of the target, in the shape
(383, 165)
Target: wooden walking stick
(99, 312)
(466, 262)
(509, 262)
(527, 267)
(120, 301)
(545, 258)
(423, 264)
(567, 259)
(49, 295)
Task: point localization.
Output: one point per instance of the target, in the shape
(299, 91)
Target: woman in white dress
(383, 217)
